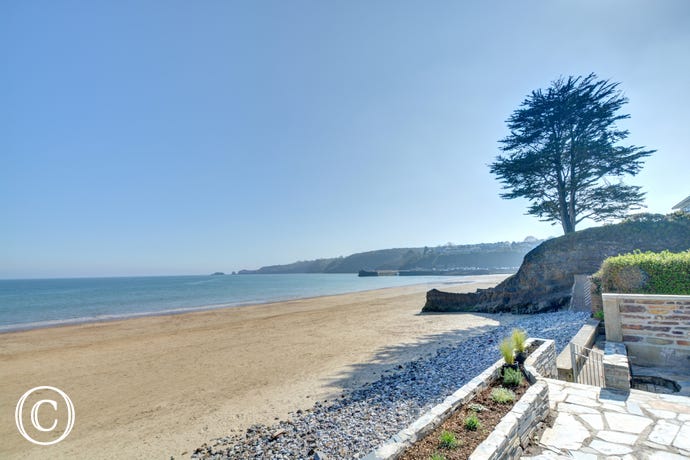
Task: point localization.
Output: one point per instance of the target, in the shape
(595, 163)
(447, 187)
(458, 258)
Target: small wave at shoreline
(19, 326)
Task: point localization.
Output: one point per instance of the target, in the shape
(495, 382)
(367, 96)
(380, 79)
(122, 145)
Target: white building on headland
(683, 205)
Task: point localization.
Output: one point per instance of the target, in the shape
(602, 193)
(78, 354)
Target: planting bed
(505, 430)
(468, 440)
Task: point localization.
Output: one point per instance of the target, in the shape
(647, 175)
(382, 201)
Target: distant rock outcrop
(545, 278)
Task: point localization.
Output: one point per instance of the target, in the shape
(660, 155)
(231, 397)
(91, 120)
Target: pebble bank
(364, 418)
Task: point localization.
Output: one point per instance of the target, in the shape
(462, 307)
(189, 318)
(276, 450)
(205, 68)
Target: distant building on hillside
(683, 205)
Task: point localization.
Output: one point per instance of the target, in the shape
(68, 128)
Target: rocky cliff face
(545, 278)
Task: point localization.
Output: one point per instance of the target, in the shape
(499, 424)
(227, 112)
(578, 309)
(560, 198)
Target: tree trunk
(566, 222)
(573, 184)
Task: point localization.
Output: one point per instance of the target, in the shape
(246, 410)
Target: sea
(35, 303)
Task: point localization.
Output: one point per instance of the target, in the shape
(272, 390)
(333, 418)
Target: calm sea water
(26, 304)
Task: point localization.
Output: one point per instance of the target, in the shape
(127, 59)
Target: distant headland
(448, 259)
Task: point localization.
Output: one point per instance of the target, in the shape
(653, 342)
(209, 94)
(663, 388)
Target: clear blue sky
(175, 137)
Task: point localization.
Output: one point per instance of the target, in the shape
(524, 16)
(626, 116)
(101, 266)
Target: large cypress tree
(562, 153)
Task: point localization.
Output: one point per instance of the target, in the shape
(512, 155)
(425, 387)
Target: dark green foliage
(646, 273)
(472, 423)
(512, 377)
(678, 217)
(562, 152)
(448, 440)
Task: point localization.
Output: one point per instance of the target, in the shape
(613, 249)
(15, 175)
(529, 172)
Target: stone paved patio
(594, 423)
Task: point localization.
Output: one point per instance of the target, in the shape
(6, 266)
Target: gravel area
(366, 417)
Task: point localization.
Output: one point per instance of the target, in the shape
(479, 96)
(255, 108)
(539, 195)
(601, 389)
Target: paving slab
(627, 422)
(658, 413)
(664, 432)
(617, 437)
(595, 421)
(599, 424)
(610, 448)
(582, 400)
(566, 433)
(634, 408)
(666, 456)
(583, 456)
(682, 440)
(569, 408)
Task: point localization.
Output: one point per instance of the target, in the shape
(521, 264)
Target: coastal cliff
(499, 257)
(545, 278)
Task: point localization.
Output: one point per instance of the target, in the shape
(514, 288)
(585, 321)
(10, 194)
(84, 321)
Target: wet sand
(157, 387)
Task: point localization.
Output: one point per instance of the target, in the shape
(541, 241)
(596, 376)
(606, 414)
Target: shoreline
(23, 327)
(152, 387)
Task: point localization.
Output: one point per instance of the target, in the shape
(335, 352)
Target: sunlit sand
(157, 387)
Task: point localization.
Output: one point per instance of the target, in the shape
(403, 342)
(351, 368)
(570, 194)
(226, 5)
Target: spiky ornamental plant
(519, 338)
(506, 349)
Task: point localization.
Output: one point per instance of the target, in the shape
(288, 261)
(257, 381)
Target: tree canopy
(562, 153)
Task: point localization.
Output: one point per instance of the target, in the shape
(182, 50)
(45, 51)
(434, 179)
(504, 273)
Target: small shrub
(512, 377)
(448, 440)
(502, 395)
(596, 283)
(506, 348)
(472, 423)
(645, 217)
(437, 456)
(519, 338)
(646, 273)
(474, 407)
(599, 314)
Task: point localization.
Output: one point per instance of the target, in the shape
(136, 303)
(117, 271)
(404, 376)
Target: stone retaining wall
(655, 328)
(515, 427)
(543, 359)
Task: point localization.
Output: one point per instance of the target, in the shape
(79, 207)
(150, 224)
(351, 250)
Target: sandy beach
(157, 387)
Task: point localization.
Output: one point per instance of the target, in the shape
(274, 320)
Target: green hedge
(646, 273)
